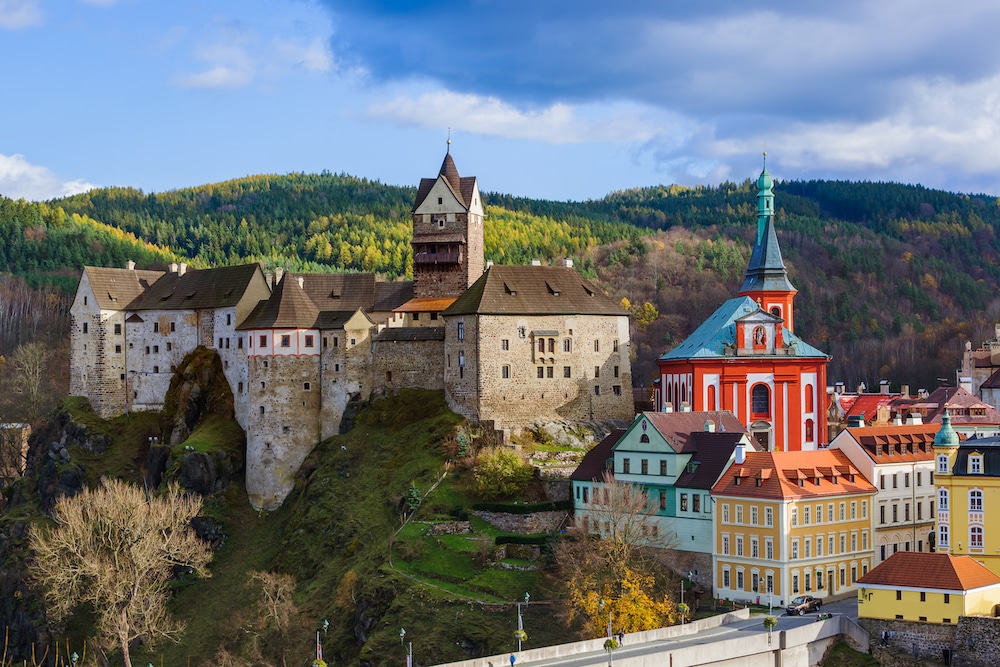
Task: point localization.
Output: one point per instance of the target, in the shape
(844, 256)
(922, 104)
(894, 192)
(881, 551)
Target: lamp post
(601, 605)
(409, 654)
(681, 606)
(73, 658)
(520, 634)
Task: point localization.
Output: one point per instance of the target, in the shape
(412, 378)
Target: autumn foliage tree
(607, 575)
(115, 550)
(500, 472)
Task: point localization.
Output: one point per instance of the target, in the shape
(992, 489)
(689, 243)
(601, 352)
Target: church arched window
(810, 430)
(710, 405)
(760, 401)
(809, 398)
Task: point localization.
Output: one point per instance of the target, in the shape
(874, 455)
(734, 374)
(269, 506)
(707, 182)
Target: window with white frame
(819, 513)
(725, 512)
(725, 544)
(942, 463)
(754, 551)
(975, 500)
(739, 545)
(753, 515)
(795, 516)
(976, 537)
(769, 548)
(739, 579)
(805, 515)
(795, 548)
(976, 464)
(739, 514)
(768, 516)
(943, 536)
(942, 500)
(725, 577)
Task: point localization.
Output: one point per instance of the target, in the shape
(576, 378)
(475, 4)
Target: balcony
(438, 257)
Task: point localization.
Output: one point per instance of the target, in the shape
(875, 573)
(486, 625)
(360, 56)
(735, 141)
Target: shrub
(501, 473)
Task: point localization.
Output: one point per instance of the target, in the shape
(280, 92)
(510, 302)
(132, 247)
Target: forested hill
(892, 278)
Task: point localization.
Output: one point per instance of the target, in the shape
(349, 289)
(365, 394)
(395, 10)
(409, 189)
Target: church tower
(448, 247)
(766, 280)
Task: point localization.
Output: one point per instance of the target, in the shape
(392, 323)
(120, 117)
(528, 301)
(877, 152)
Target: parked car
(802, 604)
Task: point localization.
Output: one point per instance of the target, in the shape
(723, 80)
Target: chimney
(897, 420)
(536, 262)
(709, 426)
(915, 419)
(300, 280)
(741, 455)
(489, 264)
(130, 265)
(568, 263)
(996, 331)
(883, 386)
(965, 383)
(838, 387)
(278, 272)
(905, 390)
(685, 407)
(173, 267)
(668, 407)
(182, 268)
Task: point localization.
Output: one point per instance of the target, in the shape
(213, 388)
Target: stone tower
(766, 280)
(447, 234)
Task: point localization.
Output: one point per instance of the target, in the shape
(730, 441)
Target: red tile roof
(937, 571)
(779, 474)
(897, 444)
(425, 305)
(677, 427)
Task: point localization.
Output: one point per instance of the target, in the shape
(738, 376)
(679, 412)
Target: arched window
(809, 398)
(976, 537)
(684, 393)
(810, 427)
(644, 438)
(759, 336)
(711, 398)
(776, 311)
(943, 500)
(541, 345)
(760, 401)
(975, 500)
(552, 345)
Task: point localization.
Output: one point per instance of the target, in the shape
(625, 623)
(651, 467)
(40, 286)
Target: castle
(509, 345)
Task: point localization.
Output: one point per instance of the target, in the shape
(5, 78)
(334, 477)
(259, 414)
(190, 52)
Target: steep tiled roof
(959, 403)
(533, 290)
(461, 187)
(779, 474)
(866, 404)
(198, 289)
(710, 340)
(595, 462)
(425, 305)
(340, 291)
(937, 571)
(993, 382)
(389, 296)
(410, 334)
(288, 308)
(712, 453)
(115, 289)
(678, 427)
(897, 444)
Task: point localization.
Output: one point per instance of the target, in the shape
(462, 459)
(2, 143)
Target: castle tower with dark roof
(447, 234)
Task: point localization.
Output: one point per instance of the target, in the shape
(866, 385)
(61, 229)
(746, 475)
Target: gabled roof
(779, 474)
(288, 308)
(410, 334)
(896, 444)
(533, 290)
(115, 289)
(711, 454)
(340, 291)
(389, 296)
(716, 336)
(678, 427)
(198, 289)
(957, 401)
(461, 187)
(595, 462)
(933, 571)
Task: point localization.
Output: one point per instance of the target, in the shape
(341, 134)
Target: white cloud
(314, 56)
(19, 179)
(558, 123)
(15, 14)
(228, 65)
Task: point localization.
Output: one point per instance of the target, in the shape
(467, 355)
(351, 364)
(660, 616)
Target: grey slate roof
(340, 291)
(197, 289)
(709, 341)
(533, 290)
(115, 289)
(766, 270)
(595, 462)
(711, 452)
(288, 308)
(389, 296)
(988, 447)
(410, 334)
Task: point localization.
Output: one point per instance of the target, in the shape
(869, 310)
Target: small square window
(310, 340)
(416, 317)
(549, 371)
(286, 340)
(118, 330)
(263, 341)
(306, 386)
(505, 344)
(541, 372)
(173, 326)
(567, 371)
(434, 316)
(156, 349)
(617, 389)
(597, 390)
(118, 349)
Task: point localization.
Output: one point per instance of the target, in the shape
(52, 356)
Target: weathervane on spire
(449, 141)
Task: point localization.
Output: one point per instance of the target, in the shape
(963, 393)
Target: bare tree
(115, 550)
(30, 366)
(621, 513)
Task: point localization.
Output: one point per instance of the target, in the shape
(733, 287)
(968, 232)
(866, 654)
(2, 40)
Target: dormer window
(976, 464)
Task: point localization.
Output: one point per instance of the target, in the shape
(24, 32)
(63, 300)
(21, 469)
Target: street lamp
(601, 605)
(409, 654)
(521, 634)
(73, 658)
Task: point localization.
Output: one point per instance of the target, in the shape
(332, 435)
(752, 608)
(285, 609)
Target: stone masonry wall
(283, 424)
(977, 642)
(408, 364)
(526, 524)
(599, 383)
(930, 639)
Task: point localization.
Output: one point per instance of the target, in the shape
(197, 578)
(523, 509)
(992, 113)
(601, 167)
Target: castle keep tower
(447, 234)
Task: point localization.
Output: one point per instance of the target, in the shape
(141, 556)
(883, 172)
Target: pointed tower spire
(766, 278)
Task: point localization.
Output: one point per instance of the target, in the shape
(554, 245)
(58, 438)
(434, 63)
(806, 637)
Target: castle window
(354, 341)
(239, 389)
(263, 341)
(504, 344)
(121, 377)
(156, 369)
(286, 340)
(541, 342)
(440, 200)
(263, 385)
(86, 328)
(221, 344)
(549, 370)
(286, 429)
(567, 345)
(541, 372)
(336, 341)
(239, 342)
(416, 317)
(262, 412)
(307, 386)
(615, 346)
(118, 330)
(85, 301)
(173, 326)
(156, 349)
(229, 319)
(597, 390)
(170, 346)
(156, 327)
(616, 371)
(461, 358)
(336, 368)
(310, 341)
(461, 372)
(567, 371)
(461, 330)
(597, 345)
(505, 372)
(147, 349)
(943, 500)
(552, 345)
(118, 349)
(597, 372)
(617, 389)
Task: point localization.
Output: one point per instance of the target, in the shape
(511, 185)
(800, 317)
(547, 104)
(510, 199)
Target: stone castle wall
(591, 380)
(283, 424)
(977, 642)
(408, 364)
(928, 639)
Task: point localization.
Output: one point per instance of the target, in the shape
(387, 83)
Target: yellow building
(931, 588)
(791, 523)
(967, 477)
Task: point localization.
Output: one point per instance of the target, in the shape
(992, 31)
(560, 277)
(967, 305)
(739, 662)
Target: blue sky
(549, 99)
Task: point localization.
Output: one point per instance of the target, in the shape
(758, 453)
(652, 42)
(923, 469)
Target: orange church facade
(746, 358)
